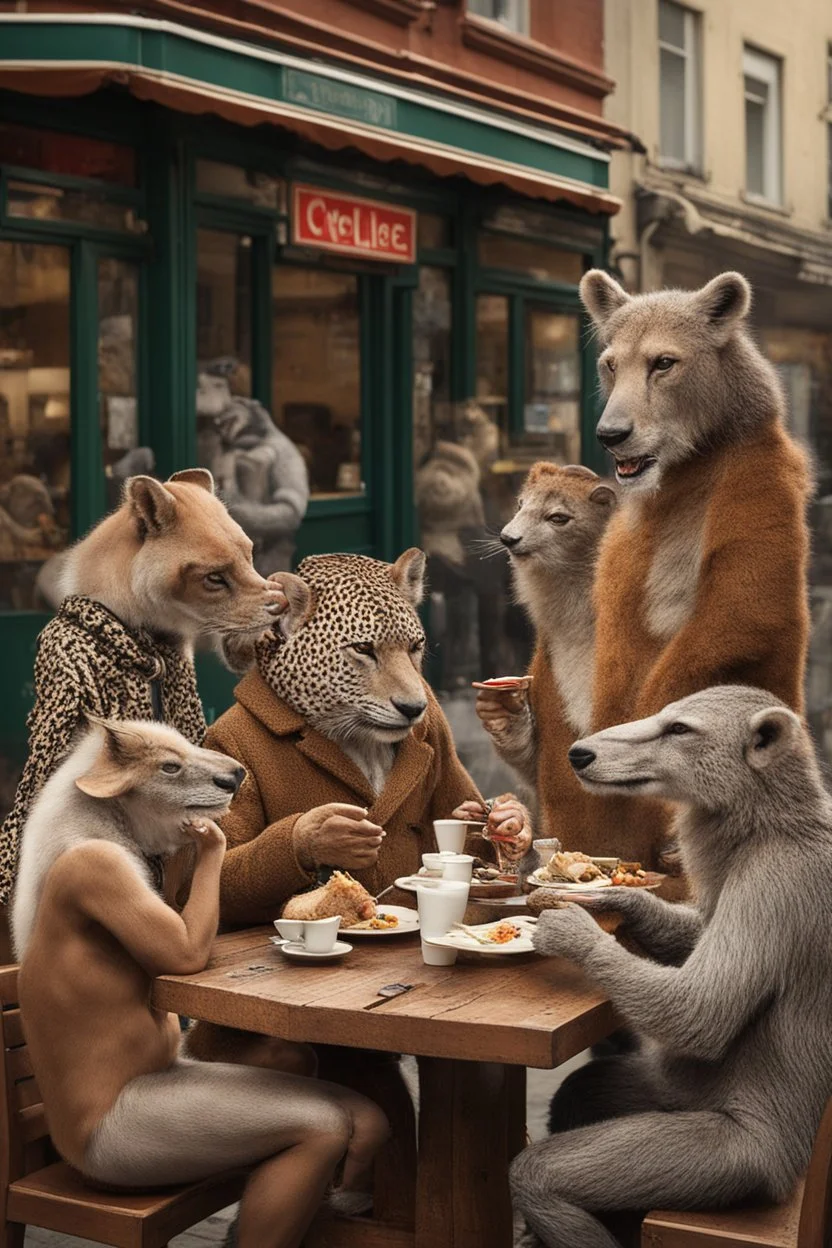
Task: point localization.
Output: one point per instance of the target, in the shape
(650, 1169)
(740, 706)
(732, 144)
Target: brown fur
(553, 564)
(154, 562)
(702, 574)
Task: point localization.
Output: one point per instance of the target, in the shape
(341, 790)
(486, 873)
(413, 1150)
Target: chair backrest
(22, 1116)
(815, 1229)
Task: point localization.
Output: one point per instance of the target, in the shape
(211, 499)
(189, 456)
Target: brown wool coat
(750, 619)
(292, 768)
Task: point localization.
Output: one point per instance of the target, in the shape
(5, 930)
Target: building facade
(733, 104)
(358, 225)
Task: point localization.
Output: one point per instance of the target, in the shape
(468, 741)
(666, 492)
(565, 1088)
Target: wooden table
(474, 1026)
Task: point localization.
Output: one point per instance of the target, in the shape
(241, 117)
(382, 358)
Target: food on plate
(340, 895)
(632, 875)
(503, 682)
(569, 868)
(380, 922)
(498, 934)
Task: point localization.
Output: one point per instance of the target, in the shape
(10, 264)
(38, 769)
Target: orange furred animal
(702, 574)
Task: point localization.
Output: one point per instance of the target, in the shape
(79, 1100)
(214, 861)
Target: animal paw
(566, 932)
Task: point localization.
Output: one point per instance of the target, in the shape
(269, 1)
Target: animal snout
(580, 758)
(509, 540)
(612, 437)
(410, 710)
(230, 783)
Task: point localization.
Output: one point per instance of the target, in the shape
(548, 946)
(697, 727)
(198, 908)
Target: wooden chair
(804, 1221)
(54, 1196)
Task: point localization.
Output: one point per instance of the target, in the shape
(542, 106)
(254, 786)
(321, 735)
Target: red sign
(352, 226)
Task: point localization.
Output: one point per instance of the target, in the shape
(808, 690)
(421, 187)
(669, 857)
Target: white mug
(450, 835)
(441, 903)
(316, 935)
(458, 867)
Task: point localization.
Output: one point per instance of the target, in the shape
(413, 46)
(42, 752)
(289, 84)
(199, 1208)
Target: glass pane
(552, 410)
(755, 147)
(316, 354)
(492, 357)
(513, 14)
(34, 415)
(672, 24)
(431, 358)
(54, 203)
(233, 182)
(672, 106)
(223, 308)
(118, 318)
(71, 154)
(524, 255)
(433, 231)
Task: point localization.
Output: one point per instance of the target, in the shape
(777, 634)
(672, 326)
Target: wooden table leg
(472, 1121)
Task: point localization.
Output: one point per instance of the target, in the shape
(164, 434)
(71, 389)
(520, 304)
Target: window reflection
(38, 202)
(233, 182)
(118, 310)
(552, 406)
(316, 382)
(223, 304)
(528, 256)
(492, 357)
(34, 415)
(431, 357)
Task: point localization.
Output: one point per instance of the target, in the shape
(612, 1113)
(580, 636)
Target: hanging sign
(352, 226)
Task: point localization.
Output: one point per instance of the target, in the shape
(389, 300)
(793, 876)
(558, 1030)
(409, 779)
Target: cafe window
(431, 359)
(118, 311)
(316, 374)
(34, 415)
(538, 260)
(492, 357)
(223, 308)
(551, 426)
(70, 155)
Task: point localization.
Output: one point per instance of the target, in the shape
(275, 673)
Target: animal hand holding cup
(503, 712)
(337, 835)
(566, 932)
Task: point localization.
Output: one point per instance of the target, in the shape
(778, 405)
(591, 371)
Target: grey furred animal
(733, 1007)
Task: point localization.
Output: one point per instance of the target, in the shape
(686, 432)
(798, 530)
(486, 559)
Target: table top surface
(518, 1009)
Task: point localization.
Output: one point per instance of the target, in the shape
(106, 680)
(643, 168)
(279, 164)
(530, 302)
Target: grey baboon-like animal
(733, 1008)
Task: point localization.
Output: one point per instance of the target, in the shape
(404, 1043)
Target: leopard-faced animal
(347, 655)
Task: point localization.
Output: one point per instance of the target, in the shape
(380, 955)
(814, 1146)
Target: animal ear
(771, 734)
(725, 300)
(115, 769)
(579, 470)
(604, 496)
(195, 476)
(153, 506)
(408, 573)
(299, 599)
(601, 296)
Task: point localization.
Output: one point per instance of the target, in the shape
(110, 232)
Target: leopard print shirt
(89, 662)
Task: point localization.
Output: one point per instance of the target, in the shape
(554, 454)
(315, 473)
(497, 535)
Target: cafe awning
(71, 54)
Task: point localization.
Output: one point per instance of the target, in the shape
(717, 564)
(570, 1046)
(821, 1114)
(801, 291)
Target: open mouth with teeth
(629, 469)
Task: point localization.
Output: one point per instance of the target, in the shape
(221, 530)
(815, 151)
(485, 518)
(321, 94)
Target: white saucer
(294, 950)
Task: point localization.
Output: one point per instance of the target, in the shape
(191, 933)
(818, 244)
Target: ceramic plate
(291, 949)
(466, 943)
(560, 885)
(408, 922)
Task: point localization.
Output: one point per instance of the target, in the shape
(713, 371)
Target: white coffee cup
(547, 848)
(450, 835)
(441, 903)
(458, 867)
(316, 935)
(290, 929)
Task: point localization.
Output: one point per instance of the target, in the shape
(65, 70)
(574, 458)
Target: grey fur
(733, 1009)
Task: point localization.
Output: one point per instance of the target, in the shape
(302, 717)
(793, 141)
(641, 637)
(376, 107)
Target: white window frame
(768, 69)
(692, 159)
(515, 20)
